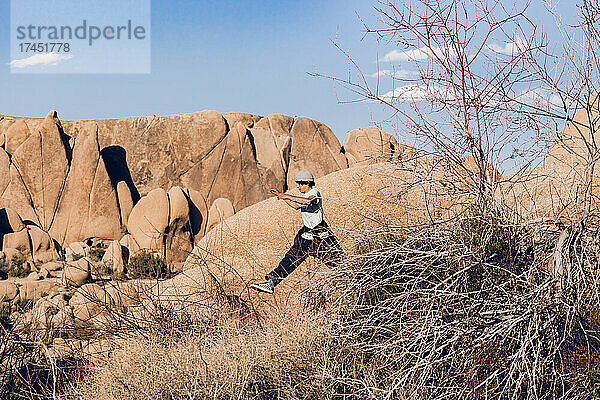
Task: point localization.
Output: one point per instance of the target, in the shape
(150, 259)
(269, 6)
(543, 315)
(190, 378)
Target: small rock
(53, 266)
(77, 273)
(8, 291)
(113, 258)
(34, 276)
(76, 251)
(57, 274)
(44, 273)
(89, 301)
(131, 246)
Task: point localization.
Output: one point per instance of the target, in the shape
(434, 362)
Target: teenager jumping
(313, 239)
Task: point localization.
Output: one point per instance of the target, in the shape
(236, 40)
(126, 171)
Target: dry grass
(281, 359)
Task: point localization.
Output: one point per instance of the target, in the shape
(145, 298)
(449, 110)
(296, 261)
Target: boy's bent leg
(329, 251)
(294, 257)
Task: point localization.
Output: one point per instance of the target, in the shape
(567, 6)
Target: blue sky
(250, 56)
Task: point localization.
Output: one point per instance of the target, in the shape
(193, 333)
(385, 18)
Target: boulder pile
(155, 183)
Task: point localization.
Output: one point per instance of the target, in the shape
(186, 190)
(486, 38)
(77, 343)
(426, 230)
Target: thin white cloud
(517, 46)
(422, 53)
(39, 59)
(541, 98)
(398, 74)
(416, 94)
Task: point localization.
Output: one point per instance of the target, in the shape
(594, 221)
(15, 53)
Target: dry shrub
(27, 369)
(469, 308)
(280, 359)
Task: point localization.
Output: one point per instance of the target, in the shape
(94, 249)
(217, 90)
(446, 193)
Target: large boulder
(179, 238)
(220, 210)
(88, 206)
(19, 241)
(113, 258)
(198, 212)
(249, 244)
(42, 245)
(149, 219)
(373, 145)
(314, 147)
(77, 272)
(159, 150)
(125, 201)
(230, 171)
(293, 144)
(39, 172)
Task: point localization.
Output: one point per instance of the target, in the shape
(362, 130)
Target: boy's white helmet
(304, 176)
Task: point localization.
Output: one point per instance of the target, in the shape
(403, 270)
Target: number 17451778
(45, 47)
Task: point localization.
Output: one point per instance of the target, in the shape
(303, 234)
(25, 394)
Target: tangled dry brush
(479, 306)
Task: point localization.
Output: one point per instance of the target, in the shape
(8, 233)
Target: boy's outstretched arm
(292, 201)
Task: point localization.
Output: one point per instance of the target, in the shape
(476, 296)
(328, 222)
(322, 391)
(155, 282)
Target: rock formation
(78, 180)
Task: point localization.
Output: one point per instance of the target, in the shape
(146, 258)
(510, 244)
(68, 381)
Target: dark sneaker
(265, 287)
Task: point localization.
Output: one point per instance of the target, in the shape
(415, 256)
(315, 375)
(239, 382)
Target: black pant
(326, 249)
